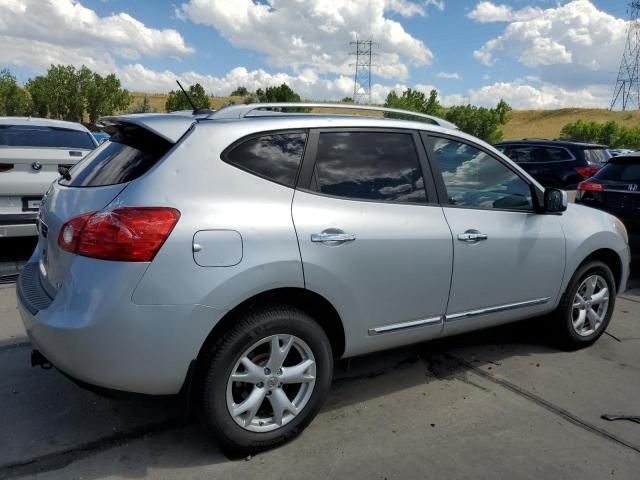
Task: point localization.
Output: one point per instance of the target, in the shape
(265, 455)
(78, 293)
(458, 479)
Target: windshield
(597, 155)
(47, 137)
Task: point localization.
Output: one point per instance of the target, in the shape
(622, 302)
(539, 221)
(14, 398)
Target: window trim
(537, 196)
(521, 145)
(224, 156)
(309, 162)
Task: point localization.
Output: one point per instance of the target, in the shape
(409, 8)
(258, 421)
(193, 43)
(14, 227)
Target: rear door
(372, 239)
(508, 259)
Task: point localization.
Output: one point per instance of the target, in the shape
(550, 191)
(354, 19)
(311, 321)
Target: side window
(276, 157)
(522, 154)
(551, 154)
(378, 166)
(474, 179)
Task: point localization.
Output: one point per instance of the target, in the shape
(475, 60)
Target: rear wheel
(586, 307)
(266, 379)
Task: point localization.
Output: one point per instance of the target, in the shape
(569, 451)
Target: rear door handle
(332, 237)
(472, 236)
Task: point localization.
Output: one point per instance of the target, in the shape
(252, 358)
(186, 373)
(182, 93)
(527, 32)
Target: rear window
(131, 152)
(620, 170)
(597, 155)
(44, 137)
(276, 157)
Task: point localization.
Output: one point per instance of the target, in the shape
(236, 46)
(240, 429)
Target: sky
(536, 54)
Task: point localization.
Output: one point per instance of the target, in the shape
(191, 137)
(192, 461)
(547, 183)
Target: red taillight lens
(586, 172)
(590, 187)
(130, 234)
(5, 167)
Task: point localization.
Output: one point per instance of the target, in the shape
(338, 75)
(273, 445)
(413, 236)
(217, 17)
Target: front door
(371, 241)
(508, 259)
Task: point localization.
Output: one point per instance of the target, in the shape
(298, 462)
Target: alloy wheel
(590, 305)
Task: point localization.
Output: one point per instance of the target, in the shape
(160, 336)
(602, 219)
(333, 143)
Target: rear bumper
(92, 331)
(18, 225)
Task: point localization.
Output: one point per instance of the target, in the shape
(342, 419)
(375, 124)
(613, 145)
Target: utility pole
(362, 78)
(626, 93)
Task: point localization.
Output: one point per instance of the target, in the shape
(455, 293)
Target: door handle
(332, 237)
(472, 236)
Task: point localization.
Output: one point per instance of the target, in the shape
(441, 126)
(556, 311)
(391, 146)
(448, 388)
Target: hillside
(523, 123)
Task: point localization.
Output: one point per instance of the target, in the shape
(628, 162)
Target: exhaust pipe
(39, 360)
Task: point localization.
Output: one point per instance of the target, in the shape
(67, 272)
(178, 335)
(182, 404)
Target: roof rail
(242, 111)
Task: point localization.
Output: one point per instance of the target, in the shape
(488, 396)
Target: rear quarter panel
(212, 195)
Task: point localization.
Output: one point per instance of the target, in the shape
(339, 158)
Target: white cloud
(68, 24)
(448, 75)
(487, 12)
(570, 44)
(301, 34)
(523, 95)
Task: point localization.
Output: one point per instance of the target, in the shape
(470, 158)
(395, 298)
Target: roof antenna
(188, 97)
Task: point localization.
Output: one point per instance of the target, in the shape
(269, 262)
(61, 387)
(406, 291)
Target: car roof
(43, 122)
(551, 143)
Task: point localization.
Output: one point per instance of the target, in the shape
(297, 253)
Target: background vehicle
(244, 254)
(556, 163)
(616, 189)
(31, 150)
(100, 137)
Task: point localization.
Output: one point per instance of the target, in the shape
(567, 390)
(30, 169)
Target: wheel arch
(312, 303)
(611, 259)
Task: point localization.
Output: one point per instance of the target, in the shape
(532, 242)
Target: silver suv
(238, 255)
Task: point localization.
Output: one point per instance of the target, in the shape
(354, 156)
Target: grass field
(523, 123)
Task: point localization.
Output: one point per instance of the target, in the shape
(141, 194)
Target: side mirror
(555, 200)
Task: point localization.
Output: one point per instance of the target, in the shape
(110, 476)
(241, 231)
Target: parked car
(615, 188)
(555, 163)
(616, 152)
(31, 150)
(237, 256)
(100, 137)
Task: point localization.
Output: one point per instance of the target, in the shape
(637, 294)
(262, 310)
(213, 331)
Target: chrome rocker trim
(394, 327)
(500, 308)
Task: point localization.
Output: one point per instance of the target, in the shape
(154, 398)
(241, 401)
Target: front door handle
(337, 237)
(472, 236)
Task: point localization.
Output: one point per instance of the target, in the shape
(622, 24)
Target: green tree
(415, 101)
(283, 93)
(14, 100)
(610, 133)
(176, 100)
(240, 92)
(480, 122)
(103, 95)
(347, 100)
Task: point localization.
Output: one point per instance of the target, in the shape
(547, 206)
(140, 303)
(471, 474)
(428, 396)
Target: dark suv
(555, 163)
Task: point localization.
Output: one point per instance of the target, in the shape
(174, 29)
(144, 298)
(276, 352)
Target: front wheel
(586, 307)
(267, 379)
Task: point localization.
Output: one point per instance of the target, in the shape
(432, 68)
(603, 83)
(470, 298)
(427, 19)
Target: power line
(627, 90)
(362, 78)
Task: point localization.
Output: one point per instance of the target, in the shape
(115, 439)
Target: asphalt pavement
(502, 403)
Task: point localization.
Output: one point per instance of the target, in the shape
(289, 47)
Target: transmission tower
(362, 78)
(627, 90)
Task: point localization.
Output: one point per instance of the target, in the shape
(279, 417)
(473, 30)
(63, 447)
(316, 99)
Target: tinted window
(550, 154)
(475, 179)
(47, 137)
(130, 154)
(621, 170)
(276, 157)
(369, 166)
(521, 154)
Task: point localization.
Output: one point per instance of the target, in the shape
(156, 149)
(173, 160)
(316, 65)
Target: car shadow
(183, 443)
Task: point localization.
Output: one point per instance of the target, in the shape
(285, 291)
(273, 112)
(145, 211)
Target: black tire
(252, 327)
(562, 319)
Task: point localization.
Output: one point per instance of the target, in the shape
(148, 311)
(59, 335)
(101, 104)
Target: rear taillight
(5, 167)
(586, 172)
(130, 234)
(590, 187)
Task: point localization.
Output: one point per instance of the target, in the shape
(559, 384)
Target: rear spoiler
(169, 127)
